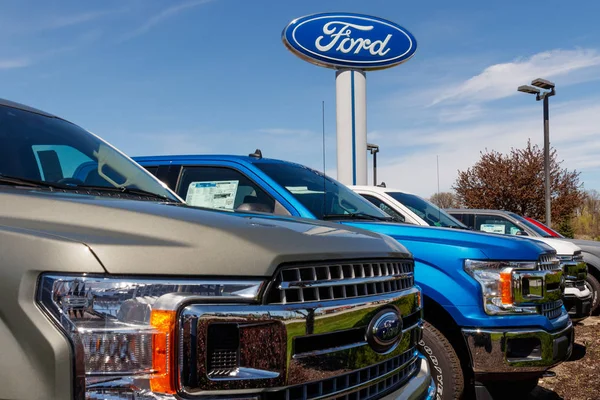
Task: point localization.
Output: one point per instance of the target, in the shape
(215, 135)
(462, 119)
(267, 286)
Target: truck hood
(591, 246)
(424, 242)
(141, 237)
(562, 247)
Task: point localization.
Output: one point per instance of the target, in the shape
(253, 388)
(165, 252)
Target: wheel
(595, 287)
(443, 363)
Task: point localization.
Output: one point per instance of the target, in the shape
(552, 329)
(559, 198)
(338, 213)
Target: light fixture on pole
(548, 90)
(374, 149)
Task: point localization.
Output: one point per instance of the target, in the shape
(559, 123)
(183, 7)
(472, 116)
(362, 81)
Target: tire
(595, 286)
(444, 364)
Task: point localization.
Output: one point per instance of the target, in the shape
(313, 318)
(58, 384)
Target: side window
(384, 207)
(222, 188)
(466, 219)
(62, 163)
(57, 162)
(496, 224)
(65, 164)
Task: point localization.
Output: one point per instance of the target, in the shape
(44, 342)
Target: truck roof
(169, 159)
(478, 210)
(380, 189)
(23, 107)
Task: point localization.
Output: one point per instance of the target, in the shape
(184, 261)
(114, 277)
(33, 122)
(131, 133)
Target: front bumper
(502, 351)
(578, 303)
(420, 387)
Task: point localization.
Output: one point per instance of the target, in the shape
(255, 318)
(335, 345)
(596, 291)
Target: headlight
(122, 337)
(496, 280)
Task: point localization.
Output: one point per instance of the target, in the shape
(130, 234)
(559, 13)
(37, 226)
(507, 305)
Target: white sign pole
(351, 126)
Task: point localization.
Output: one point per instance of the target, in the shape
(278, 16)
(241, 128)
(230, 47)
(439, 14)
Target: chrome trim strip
(405, 331)
(244, 373)
(329, 351)
(343, 282)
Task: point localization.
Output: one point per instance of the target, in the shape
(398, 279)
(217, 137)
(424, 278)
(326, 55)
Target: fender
(35, 356)
(446, 291)
(592, 260)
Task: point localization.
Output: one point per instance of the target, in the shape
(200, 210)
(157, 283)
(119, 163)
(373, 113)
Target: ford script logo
(342, 40)
(385, 330)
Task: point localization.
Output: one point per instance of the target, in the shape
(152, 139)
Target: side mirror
(254, 207)
(522, 233)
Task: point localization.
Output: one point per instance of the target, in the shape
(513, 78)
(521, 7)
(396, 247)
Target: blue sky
(200, 76)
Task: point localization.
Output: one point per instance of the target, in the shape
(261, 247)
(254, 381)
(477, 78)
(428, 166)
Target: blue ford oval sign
(343, 40)
(385, 330)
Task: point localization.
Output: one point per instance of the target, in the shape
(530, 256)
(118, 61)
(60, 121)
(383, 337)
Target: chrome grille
(364, 384)
(578, 257)
(548, 262)
(320, 282)
(552, 309)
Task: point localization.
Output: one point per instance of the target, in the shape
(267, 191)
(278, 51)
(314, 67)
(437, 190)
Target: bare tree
(444, 200)
(515, 182)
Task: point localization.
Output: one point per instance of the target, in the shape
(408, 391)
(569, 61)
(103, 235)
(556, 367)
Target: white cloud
(460, 114)
(11, 63)
(501, 80)
(64, 21)
(574, 129)
(161, 16)
(33, 58)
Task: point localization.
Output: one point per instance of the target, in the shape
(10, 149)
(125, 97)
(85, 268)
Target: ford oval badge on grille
(385, 330)
(338, 40)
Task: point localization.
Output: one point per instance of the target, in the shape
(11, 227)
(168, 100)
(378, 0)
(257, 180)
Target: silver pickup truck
(112, 288)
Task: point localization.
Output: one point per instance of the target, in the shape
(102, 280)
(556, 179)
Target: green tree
(565, 228)
(586, 222)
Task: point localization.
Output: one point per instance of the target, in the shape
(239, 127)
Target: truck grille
(319, 282)
(365, 384)
(548, 262)
(552, 309)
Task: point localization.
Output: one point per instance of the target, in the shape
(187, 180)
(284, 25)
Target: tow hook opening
(523, 349)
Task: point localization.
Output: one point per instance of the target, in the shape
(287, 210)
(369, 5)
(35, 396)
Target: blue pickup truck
(493, 304)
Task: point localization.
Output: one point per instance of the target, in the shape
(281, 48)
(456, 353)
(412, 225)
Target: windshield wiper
(17, 181)
(358, 215)
(122, 189)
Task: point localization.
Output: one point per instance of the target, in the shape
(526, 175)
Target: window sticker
(213, 194)
(493, 228)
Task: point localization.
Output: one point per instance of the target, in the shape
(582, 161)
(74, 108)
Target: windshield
(55, 152)
(307, 185)
(428, 212)
(539, 231)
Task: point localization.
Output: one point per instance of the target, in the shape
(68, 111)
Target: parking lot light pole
(543, 95)
(374, 149)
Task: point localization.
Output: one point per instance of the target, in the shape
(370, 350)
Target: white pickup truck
(410, 208)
